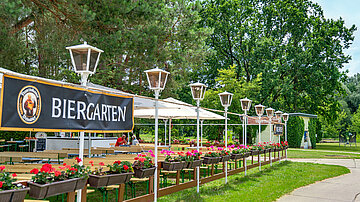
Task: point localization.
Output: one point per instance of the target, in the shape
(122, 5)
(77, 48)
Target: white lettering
(56, 110)
(88, 111)
(113, 113)
(64, 109)
(81, 106)
(103, 112)
(121, 113)
(71, 109)
(97, 112)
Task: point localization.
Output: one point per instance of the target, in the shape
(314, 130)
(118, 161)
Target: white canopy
(181, 110)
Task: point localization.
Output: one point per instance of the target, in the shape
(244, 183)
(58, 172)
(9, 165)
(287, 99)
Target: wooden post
(212, 169)
(236, 164)
(252, 159)
(83, 193)
(70, 197)
(259, 158)
(224, 166)
(121, 192)
(151, 184)
(178, 177)
(264, 156)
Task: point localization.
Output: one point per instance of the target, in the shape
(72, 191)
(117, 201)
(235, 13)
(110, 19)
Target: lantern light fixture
(270, 112)
(245, 104)
(285, 116)
(278, 115)
(157, 78)
(198, 91)
(226, 98)
(259, 109)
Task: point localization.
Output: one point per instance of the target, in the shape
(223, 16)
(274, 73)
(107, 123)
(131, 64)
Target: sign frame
(61, 85)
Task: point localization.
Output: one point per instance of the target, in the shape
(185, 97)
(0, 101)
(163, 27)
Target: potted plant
(284, 144)
(120, 172)
(50, 182)
(192, 158)
(172, 163)
(224, 154)
(211, 158)
(143, 165)
(240, 152)
(9, 191)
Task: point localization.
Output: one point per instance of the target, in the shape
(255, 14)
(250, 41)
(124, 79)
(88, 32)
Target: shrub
(295, 131)
(313, 126)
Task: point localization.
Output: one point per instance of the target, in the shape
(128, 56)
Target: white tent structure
(176, 109)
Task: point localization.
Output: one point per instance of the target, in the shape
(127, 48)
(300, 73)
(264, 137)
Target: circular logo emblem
(29, 104)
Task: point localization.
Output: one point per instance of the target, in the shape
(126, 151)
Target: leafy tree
(298, 51)
(295, 130)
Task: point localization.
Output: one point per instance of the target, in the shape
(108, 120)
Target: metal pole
(226, 137)
(157, 92)
(260, 141)
(245, 120)
(270, 141)
(286, 138)
(165, 120)
(170, 133)
(243, 128)
(89, 145)
(202, 122)
(197, 146)
(84, 77)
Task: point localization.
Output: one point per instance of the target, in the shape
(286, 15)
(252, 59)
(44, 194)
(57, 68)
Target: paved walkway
(342, 188)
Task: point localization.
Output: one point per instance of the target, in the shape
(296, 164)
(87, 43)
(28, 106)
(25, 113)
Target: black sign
(278, 129)
(41, 144)
(29, 105)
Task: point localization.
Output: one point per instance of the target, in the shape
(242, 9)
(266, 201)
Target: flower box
(194, 164)
(146, 172)
(211, 160)
(109, 179)
(254, 152)
(240, 156)
(14, 195)
(41, 191)
(225, 158)
(262, 152)
(172, 166)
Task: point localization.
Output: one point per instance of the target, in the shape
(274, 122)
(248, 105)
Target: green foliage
(295, 131)
(355, 120)
(16, 135)
(312, 131)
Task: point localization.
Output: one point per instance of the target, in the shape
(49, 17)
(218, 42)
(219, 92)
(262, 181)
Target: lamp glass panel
(80, 59)
(93, 58)
(203, 90)
(259, 110)
(154, 79)
(224, 100)
(270, 113)
(163, 79)
(196, 92)
(245, 104)
(285, 117)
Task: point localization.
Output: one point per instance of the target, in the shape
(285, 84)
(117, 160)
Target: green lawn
(267, 185)
(335, 147)
(297, 153)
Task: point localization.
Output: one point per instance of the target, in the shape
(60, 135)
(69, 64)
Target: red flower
(101, 164)
(136, 158)
(46, 168)
(2, 168)
(126, 167)
(142, 159)
(64, 164)
(143, 155)
(1, 184)
(78, 159)
(117, 162)
(91, 162)
(61, 167)
(57, 173)
(34, 171)
(14, 174)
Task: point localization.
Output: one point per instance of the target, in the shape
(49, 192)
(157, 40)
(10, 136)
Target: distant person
(134, 140)
(121, 141)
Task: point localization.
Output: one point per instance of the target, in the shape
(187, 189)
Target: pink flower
(14, 174)
(2, 168)
(101, 164)
(78, 159)
(1, 184)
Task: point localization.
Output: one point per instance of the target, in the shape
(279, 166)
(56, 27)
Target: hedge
(295, 131)
(313, 130)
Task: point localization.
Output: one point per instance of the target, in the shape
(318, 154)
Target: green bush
(312, 132)
(295, 131)
(16, 135)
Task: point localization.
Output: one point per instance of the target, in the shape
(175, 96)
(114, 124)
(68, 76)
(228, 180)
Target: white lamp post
(198, 93)
(245, 106)
(270, 114)
(278, 115)
(157, 79)
(226, 99)
(84, 59)
(259, 109)
(286, 118)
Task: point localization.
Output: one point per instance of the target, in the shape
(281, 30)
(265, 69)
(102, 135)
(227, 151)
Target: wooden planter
(254, 152)
(225, 158)
(237, 156)
(172, 166)
(146, 172)
(14, 195)
(262, 152)
(194, 163)
(110, 179)
(211, 160)
(41, 191)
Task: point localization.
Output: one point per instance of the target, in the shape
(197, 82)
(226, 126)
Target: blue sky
(349, 11)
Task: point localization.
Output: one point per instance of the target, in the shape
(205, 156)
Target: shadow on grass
(218, 187)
